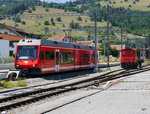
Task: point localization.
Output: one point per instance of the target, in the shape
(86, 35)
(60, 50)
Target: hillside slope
(36, 25)
(141, 5)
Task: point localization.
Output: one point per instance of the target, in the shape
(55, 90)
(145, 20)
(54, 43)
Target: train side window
(131, 52)
(66, 57)
(85, 58)
(93, 56)
(123, 52)
(49, 55)
(42, 55)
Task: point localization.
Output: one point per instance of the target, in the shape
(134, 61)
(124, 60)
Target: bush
(9, 58)
(52, 20)
(74, 25)
(30, 11)
(46, 23)
(53, 23)
(23, 22)
(46, 29)
(47, 10)
(33, 8)
(5, 84)
(58, 19)
(79, 18)
(63, 26)
(17, 19)
(130, 5)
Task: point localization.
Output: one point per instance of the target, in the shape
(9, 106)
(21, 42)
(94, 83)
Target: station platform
(128, 95)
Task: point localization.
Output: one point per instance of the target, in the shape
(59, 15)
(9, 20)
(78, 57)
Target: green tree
(52, 20)
(114, 52)
(23, 22)
(33, 8)
(53, 23)
(46, 29)
(79, 18)
(17, 19)
(29, 11)
(74, 25)
(46, 23)
(47, 10)
(59, 19)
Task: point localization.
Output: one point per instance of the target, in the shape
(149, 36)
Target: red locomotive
(44, 56)
(131, 58)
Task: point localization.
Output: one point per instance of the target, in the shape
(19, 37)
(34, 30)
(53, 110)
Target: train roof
(127, 49)
(52, 43)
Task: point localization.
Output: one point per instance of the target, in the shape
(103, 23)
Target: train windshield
(27, 52)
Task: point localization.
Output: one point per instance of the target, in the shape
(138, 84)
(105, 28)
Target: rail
(25, 98)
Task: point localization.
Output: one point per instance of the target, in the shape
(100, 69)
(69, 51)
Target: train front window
(123, 52)
(27, 52)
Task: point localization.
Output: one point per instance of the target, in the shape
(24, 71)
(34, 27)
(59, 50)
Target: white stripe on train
(79, 66)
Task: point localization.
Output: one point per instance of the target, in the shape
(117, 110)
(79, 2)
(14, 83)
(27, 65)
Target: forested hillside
(17, 6)
(132, 21)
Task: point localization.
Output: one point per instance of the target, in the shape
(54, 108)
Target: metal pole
(95, 35)
(108, 37)
(104, 48)
(121, 37)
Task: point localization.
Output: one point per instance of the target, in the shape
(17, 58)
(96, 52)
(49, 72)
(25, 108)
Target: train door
(57, 60)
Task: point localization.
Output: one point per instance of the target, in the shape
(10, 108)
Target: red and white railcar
(131, 58)
(44, 56)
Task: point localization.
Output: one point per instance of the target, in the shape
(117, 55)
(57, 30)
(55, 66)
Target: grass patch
(5, 84)
(9, 58)
(102, 70)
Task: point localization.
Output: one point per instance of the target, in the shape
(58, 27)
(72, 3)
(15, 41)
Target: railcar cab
(128, 58)
(26, 57)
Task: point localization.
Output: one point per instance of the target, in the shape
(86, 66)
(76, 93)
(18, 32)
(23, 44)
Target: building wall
(4, 31)
(5, 48)
(68, 40)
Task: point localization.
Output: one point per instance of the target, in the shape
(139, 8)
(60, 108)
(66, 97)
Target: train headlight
(17, 65)
(33, 65)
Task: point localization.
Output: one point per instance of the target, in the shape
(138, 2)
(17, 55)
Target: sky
(57, 1)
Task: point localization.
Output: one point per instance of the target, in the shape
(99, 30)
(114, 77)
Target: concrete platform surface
(129, 95)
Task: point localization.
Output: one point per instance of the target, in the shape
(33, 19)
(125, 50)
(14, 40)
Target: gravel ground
(129, 96)
(36, 81)
(62, 76)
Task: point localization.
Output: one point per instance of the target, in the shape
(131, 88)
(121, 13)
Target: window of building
(49, 55)
(85, 58)
(11, 43)
(5, 32)
(66, 57)
(42, 55)
(10, 53)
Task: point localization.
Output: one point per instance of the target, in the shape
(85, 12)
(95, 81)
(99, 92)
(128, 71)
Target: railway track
(20, 99)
